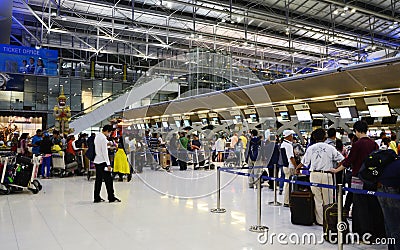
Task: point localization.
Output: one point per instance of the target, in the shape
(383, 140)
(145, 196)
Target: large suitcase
(302, 208)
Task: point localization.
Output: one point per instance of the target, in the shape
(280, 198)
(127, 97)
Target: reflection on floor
(63, 216)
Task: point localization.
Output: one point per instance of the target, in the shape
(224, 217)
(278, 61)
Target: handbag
(356, 183)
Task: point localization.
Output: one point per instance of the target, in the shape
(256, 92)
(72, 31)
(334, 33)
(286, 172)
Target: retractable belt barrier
(260, 228)
(311, 184)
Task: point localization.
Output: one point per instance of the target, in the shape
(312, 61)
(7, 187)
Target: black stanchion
(275, 202)
(258, 228)
(218, 209)
(340, 212)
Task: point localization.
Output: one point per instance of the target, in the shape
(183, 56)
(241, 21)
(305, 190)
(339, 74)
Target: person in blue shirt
(390, 183)
(36, 142)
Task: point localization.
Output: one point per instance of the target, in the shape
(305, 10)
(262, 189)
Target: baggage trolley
(19, 174)
(60, 168)
(232, 160)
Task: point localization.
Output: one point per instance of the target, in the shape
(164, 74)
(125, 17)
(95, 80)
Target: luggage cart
(60, 168)
(16, 176)
(233, 159)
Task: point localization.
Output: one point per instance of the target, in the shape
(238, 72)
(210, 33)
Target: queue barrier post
(340, 214)
(275, 202)
(258, 228)
(218, 209)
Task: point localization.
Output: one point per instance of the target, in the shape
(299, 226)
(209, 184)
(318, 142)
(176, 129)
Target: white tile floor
(62, 215)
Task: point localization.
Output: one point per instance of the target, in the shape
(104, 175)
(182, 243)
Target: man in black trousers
(103, 166)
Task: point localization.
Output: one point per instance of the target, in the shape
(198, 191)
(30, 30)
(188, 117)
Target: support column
(5, 21)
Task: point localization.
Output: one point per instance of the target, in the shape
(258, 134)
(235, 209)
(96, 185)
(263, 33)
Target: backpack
(79, 143)
(283, 160)
(91, 151)
(254, 148)
(373, 167)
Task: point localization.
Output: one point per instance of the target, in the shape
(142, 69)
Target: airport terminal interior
(229, 124)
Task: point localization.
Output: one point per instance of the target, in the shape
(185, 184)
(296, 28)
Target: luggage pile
(17, 174)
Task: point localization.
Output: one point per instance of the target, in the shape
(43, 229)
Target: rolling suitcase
(330, 222)
(302, 208)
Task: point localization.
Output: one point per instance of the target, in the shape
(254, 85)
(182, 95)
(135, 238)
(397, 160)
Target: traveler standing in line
(14, 142)
(254, 157)
(234, 140)
(45, 148)
(103, 166)
(182, 152)
(271, 146)
(331, 140)
(220, 145)
(321, 158)
(290, 169)
(367, 213)
(243, 138)
(36, 142)
(390, 183)
(381, 136)
(121, 165)
(22, 145)
(393, 143)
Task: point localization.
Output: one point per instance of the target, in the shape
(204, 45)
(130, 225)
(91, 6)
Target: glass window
(107, 88)
(76, 86)
(117, 86)
(97, 88)
(42, 84)
(66, 83)
(30, 84)
(29, 99)
(76, 103)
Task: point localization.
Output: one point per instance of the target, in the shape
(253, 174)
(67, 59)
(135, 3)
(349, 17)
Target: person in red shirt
(367, 212)
(71, 145)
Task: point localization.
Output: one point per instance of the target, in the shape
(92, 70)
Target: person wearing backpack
(288, 169)
(91, 153)
(367, 213)
(389, 182)
(254, 159)
(271, 146)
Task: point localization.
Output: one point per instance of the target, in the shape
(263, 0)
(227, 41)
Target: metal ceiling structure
(287, 35)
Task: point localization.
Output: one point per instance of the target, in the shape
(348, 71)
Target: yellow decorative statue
(62, 114)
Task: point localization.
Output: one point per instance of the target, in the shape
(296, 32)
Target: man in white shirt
(321, 158)
(103, 166)
(289, 170)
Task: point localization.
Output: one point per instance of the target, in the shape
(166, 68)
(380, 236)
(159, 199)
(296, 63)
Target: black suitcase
(330, 224)
(302, 208)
